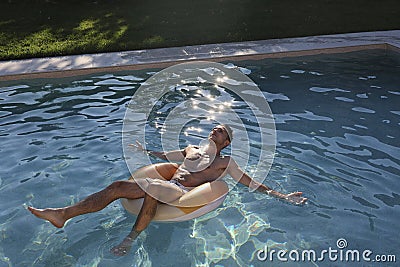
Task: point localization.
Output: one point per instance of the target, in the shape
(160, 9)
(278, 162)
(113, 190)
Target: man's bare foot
(123, 248)
(55, 216)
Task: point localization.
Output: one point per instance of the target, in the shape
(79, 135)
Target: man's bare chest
(203, 160)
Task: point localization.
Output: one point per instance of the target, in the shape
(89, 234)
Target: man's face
(219, 135)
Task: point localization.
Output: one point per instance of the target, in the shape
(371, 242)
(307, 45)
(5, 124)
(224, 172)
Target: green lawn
(37, 28)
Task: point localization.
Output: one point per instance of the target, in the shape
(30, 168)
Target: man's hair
(229, 131)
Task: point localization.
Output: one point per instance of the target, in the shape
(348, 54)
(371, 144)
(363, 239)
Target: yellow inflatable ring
(197, 202)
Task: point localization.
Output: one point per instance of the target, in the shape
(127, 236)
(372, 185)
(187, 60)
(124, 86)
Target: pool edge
(67, 66)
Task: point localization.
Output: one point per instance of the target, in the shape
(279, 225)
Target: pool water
(337, 126)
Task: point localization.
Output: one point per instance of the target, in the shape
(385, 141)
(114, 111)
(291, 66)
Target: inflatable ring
(197, 202)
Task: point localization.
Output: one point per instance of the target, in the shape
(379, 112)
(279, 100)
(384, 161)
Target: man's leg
(146, 214)
(159, 190)
(99, 200)
(93, 203)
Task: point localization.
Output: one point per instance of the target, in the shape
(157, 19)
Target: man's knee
(117, 185)
(125, 186)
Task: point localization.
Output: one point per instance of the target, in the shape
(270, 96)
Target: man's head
(222, 135)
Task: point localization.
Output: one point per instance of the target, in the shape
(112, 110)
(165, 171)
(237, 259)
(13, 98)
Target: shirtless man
(199, 165)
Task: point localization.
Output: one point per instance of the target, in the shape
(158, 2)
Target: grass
(38, 28)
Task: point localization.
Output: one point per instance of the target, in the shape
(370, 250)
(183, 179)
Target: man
(199, 165)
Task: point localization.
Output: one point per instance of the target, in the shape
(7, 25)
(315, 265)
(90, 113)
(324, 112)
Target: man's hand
(295, 198)
(138, 146)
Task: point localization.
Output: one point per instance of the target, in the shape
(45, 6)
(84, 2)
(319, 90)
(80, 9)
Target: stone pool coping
(88, 63)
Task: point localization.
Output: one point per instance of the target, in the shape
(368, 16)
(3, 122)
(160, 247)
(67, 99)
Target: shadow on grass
(58, 27)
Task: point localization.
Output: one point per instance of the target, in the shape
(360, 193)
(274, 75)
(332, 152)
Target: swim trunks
(163, 190)
(181, 186)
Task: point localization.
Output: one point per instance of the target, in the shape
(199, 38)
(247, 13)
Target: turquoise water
(337, 119)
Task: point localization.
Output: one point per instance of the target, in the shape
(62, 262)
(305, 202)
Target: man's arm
(175, 155)
(240, 176)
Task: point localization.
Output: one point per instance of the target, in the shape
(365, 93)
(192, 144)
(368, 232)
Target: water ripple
(337, 141)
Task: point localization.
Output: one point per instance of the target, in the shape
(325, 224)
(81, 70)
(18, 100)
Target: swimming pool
(337, 124)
